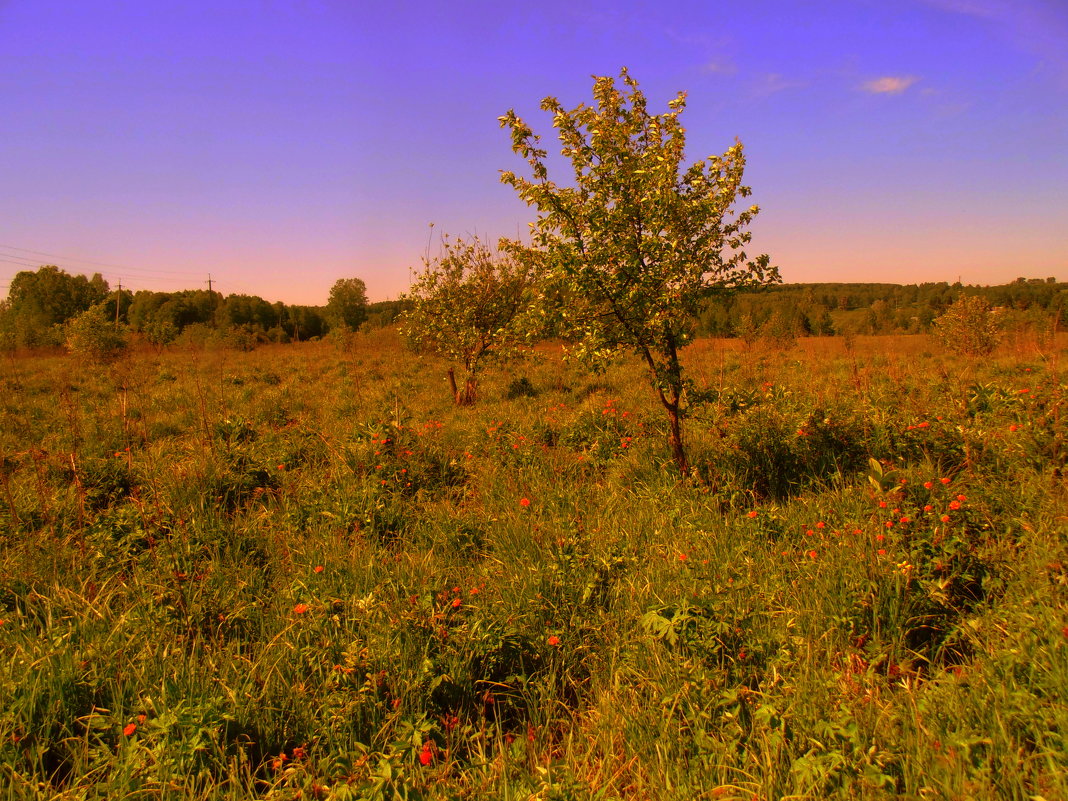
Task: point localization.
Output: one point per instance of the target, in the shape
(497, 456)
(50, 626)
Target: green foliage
(94, 336)
(638, 239)
(970, 326)
(347, 304)
(473, 307)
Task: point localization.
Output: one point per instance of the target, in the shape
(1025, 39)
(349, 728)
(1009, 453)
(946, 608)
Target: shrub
(970, 326)
(94, 336)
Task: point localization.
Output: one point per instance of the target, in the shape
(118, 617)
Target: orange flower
(553, 640)
(129, 729)
(524, 502)
(945, 480)
(300, 609)
(753, 513)
(945, 518)
(456, 602)
(318, 568)
(811, 554)
(426, 756)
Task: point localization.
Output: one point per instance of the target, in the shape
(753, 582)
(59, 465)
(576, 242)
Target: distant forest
(830, 309)
(41, 303)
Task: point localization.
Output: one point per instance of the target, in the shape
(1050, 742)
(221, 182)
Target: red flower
(129, 729)
(524, 502)
(553, 640)
(300, 609)
(456, 602)
(318, 568)
(811, 554)
(945, 518)
(426, 756)
(753, 513)
(945, 480)
(954, 505)
(928, 484)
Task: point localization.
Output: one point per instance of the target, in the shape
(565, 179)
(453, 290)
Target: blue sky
(279, 146)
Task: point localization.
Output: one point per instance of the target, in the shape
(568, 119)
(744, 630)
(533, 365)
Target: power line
(96, 263)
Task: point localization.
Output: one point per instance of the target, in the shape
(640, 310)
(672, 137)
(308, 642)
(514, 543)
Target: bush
(970, 326)
(93, 335)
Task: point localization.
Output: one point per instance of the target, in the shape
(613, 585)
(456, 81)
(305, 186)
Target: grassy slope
(302, 572)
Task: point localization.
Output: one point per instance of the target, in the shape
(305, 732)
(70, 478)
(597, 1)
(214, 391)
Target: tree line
(42, 305)
(827, 309)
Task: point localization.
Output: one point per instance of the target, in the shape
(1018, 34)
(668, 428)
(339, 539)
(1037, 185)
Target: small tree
(970, 326)
(471, 306)
(93, 335)
(638, 239)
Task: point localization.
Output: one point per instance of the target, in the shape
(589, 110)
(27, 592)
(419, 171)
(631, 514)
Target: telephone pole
(209, 282)
(118, 297)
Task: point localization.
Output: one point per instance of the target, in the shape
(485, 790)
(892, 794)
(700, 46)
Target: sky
(280, 146)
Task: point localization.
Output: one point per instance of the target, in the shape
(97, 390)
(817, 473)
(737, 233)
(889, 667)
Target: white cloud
(889, 85)
(721, 67)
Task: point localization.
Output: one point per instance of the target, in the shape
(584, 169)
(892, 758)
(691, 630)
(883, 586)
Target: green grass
(303, 573)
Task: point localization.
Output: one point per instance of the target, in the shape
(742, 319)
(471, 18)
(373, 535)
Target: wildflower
(945, 518)
(318, 568)
(129, 729)
(962, 498)
(882, 504)
(281, 467)
(811, 554)
(903, 520)
(928, 484)
(456, 603)
(954, 505)
(928, 508)
(880, 537)
(945, 480)
(752, 513)
(300, 609)
(683, 557)
(821, 524)
(524, 502)
(1014, 427)
(426, 756)
(882, 552)
(553, 640)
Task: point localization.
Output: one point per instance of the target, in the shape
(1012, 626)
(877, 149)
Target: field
(304, 573)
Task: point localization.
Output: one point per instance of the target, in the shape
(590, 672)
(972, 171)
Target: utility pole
(209, 282)
(118, 297)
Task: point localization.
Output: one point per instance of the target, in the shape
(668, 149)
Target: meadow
(303, 572)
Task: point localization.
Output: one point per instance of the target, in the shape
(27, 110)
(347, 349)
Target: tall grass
(303, 573)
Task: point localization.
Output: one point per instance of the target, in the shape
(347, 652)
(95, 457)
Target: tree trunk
(675, 428)
(468, 394)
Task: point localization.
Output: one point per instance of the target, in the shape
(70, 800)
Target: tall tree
(348, 303)
(637, 238)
